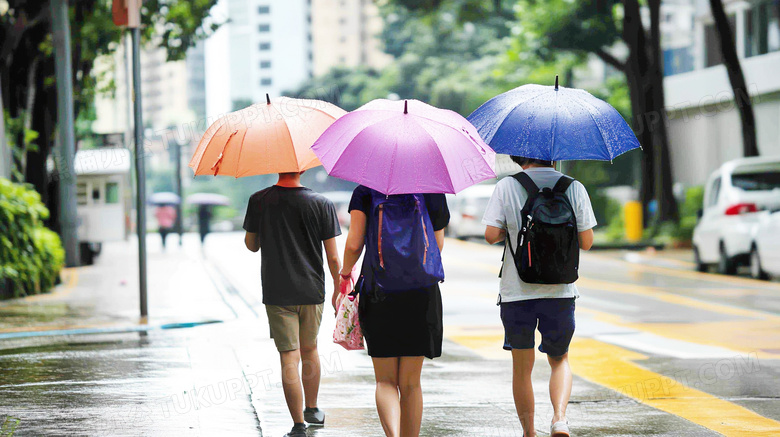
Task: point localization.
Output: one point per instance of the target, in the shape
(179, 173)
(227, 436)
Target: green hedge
(31, 255)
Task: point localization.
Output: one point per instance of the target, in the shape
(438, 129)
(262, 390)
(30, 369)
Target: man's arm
(494, 235)
(586, 239)
(334, 265)
(252, 241)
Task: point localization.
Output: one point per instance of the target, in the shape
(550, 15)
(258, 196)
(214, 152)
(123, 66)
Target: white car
(467, 209)
(734, 196)
(765, 251)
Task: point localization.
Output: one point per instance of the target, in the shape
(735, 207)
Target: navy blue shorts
(555, 319)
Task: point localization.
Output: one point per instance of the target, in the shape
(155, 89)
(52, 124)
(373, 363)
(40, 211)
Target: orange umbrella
(265, 138)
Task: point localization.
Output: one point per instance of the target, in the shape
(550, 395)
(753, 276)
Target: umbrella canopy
(208, 199)
(265, 138)
(553, 124)
(401, 147)
(164, 198)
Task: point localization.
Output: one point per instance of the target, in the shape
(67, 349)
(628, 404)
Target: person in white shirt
(525, 305)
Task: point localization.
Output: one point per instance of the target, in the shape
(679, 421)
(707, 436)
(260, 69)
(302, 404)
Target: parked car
(340, 200)
(467, 209)
(765, 250)
(733, 197)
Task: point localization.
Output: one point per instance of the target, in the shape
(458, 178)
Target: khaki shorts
(293, 327)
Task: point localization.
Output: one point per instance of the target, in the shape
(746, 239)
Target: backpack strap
(530, 187)
(563, 184)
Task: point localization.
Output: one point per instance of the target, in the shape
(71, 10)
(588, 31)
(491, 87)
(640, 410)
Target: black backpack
(549, 249)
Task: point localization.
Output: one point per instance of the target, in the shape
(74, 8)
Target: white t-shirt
(503, 212)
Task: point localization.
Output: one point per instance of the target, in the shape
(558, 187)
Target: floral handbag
(347, 332)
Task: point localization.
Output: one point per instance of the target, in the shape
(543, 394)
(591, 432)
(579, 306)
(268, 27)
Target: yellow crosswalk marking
(613, 367)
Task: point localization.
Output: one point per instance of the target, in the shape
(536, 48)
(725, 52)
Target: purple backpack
(401, 248)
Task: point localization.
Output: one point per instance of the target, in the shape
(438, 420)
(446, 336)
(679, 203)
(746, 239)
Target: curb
(96, 330)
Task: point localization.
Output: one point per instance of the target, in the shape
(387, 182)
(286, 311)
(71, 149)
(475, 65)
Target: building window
(112, 192)
(265, 46)
(264, 28)
(264, 9)
(265, 64)
(266, 81)
(762, 29)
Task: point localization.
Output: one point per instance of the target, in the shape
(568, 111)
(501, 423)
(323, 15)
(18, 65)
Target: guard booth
(104, 197)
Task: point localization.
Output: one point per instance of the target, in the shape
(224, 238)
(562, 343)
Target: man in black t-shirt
(289, 224)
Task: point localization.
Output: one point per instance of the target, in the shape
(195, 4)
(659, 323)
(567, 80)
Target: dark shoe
(314, 416)
(298, 430)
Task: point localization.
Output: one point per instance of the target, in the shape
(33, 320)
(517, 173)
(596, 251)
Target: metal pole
(177, 154)
(140, 171)
(5, 152)
(65, 132)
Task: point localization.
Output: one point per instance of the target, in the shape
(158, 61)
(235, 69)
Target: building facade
(346, 33)
(703, 117)
(173, 93)
(269, 48)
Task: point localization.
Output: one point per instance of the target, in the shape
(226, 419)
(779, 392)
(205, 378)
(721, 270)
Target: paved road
(659, 351)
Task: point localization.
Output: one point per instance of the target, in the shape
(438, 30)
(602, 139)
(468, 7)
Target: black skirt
(402, 323)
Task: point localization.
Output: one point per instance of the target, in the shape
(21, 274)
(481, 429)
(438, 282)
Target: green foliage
(183, 23)
(694, 199)
(31, 256)
(14, 131)
(616, 223)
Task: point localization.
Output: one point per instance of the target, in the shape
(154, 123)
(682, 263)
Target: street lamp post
(65, 132)
(140, 170)
(128, 13)
(177, 154)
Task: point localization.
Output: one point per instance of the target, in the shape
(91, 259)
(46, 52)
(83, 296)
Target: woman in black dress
(400, 327)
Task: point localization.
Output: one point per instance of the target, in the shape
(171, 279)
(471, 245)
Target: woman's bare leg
(388, 404)
(409, 371)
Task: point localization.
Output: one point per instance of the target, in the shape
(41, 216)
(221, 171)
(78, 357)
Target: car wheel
(726, 265)
(756, 272)
(700, 266)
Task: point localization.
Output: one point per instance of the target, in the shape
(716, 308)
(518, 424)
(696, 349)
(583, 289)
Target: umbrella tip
(268, 99)
(406, 106)
(556, 83)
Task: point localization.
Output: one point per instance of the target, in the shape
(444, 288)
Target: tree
(736, 78)
(27, 66)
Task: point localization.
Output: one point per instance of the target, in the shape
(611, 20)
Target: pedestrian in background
(204, 221)
(289, 224)
(166, 220)
(400, 309)
(537, 276)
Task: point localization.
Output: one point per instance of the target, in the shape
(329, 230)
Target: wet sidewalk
(105, 295)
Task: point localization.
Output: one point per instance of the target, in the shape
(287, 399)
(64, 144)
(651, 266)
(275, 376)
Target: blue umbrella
(553, 124)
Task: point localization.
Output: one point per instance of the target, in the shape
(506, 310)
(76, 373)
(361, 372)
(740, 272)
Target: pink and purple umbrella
(404, 147)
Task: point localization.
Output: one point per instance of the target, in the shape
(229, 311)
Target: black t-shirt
(435, 203)
(292, 224)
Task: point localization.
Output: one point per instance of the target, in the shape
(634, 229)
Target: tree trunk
(633, 36)
(667, 204)
(43, 112)
(645, 81)
(741, 96)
